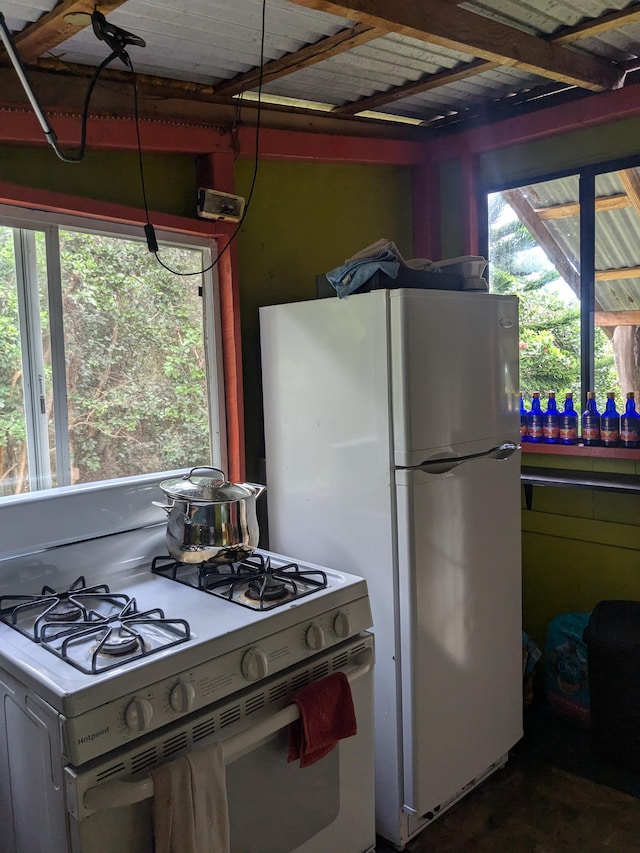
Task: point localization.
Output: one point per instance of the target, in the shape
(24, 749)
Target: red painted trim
(597, 109)
(69, 205)
(425, 194)
(232, 361)
(218, 171)
(20, 127)
(469, 191)
(324, 147)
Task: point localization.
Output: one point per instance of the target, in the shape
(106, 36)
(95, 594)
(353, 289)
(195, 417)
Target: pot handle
(169, 507)
(257, 488)
(222, 477)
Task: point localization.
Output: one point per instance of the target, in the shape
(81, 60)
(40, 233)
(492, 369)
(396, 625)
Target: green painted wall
(570, 150)
(115, 177)
(453, 210)
(305, 219)
(579, 546)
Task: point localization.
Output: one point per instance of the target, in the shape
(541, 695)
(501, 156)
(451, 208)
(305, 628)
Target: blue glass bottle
(630, 423)
(534, 420)
(610, 423)
(591, 422)
(523, 420)
(551, 421)
(568, 422)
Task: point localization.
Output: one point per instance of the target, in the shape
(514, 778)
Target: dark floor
(555, 795)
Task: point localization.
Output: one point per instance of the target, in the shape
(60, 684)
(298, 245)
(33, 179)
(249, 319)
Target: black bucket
(613, 642)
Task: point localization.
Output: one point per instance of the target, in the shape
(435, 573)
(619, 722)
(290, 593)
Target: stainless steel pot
(210, 518)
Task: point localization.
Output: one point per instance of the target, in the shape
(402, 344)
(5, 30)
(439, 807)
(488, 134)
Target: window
(108, 362)
(569, 247)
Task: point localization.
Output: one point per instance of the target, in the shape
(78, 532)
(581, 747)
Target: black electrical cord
(117, 39)
(5, 37)
(67, 158)
(149, 230)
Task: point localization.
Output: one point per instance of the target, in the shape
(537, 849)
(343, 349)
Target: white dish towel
(190, 811)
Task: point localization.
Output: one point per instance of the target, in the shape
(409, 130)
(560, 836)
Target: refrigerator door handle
(443, 466)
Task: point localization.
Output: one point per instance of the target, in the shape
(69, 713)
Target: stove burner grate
(92, 628)
(254, 582)
(29, 614)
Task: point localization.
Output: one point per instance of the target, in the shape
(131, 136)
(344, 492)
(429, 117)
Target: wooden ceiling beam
(598, 26)
(543, 237)
(554, 252)
(61, 96)
(616, 318)
(564, 211)
(462, 71)
(615, 274)
(51, 29)
(631, 183)
(308, 55)
(439, 22)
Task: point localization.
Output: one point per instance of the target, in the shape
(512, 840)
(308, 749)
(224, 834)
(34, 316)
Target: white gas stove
(105, 642)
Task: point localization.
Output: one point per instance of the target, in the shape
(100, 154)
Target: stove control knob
(138, 714)
(342, 625)
(314, 637)
(182, 697)
(254, 664)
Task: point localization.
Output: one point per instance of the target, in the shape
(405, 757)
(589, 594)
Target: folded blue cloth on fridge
(351, 276)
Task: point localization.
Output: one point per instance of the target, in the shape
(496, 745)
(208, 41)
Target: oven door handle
(112, 795)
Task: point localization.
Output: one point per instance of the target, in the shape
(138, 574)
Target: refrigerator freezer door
(460, 622)
(455, 382)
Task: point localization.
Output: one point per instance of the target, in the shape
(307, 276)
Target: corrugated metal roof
(212, 41)
(18, 14)
(203, 41)
(617, 236)
(542, 16)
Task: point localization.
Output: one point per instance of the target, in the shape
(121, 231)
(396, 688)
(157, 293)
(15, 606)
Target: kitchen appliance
(210, 518)
(115, 659)
(391, 430)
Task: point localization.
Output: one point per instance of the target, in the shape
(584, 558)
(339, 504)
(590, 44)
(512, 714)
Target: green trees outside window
(104, 358)
(535, 252)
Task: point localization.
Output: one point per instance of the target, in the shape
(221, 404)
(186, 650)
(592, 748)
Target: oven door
(274, 806)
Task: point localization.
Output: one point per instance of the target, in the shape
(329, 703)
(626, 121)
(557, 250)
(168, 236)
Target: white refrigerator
(391, 443)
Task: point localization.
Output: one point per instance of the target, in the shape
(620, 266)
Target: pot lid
(213, 489)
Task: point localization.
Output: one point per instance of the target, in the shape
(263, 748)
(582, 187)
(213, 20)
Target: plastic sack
(566, 668)
(531, 654)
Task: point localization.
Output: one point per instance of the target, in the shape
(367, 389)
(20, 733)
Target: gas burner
(30, 614)
(254, 582)
(214, 569)
(118, 643)
(89, 627)
(64, 611)
(266, 588)
(91, 646)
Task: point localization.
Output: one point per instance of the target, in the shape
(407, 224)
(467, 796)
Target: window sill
(582, 451)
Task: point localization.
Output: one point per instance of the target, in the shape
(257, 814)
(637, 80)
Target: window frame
(30, 220)
(586, 175)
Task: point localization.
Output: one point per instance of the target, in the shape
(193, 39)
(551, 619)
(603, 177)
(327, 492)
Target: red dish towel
(326, 716)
